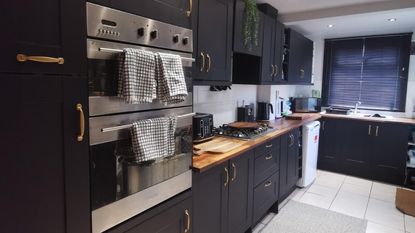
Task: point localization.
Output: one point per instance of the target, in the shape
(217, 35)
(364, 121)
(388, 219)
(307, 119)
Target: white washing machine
(311, 134)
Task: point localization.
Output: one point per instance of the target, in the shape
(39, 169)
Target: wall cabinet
(367, 149)
(298, 58)
(45, 168)
(177, 12)
(213, 48)
(289, 167)
(223, 196)
(55, 30)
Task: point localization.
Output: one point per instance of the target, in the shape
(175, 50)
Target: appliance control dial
(140, 32)
(185, 40)
(153, 34)
(176, 38)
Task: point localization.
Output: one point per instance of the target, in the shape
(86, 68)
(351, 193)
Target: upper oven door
(103, 79)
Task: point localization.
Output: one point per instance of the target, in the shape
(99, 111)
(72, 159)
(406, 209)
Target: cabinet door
(214, 41)
(305, 60)
(389, 152)
(355, 138)
(293, 154)
(210, 200)
(329, 153)
(278, 51)
(267, 60)
(50, 28)
(283, 167)
(241, 193)
(300, 58)
(177, 12)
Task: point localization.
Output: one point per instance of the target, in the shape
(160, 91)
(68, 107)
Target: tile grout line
(337, 193)
(368, 200)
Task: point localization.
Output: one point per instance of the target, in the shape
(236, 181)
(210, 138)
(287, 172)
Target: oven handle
(115, 128)
(109, 50)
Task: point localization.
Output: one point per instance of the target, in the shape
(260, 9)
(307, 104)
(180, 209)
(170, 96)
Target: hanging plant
(251, 24)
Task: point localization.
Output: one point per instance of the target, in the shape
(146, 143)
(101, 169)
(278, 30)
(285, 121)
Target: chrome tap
(356, 106)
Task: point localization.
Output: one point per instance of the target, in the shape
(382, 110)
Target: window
(372, 70)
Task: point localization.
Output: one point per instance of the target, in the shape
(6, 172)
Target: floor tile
(410, 224)
(377, 228)
(323, 190)
(317, 200)
(258, 228)
(385, 213)
(331, 180)
(383, 192)
(297, 194)
(350, 204)
(358, 181)
(267, 218)
(363, 190)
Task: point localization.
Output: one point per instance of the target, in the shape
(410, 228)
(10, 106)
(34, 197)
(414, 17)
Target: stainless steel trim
(125, 28)
(103, 105)
(120, 51)
(115, 128)
(111, 215)
(96, 124)
(99, 49)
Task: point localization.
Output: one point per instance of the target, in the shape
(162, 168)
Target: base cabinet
(223, 196)
(289, 173)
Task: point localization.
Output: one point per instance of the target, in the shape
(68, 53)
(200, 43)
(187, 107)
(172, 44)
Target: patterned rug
(297, 217)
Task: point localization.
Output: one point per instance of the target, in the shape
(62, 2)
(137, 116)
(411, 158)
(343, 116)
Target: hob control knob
(153, 34)
(176, 38)
(185, 40)
(140, 32)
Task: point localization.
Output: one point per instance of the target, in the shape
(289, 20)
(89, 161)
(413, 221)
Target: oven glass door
(114, 172)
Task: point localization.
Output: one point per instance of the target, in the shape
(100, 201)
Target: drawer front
(265, 195)
(267, 147)
(266, 161)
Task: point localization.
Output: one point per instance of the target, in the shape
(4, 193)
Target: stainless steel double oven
(120, 186)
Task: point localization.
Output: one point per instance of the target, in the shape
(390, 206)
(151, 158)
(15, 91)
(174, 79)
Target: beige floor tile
(323, 190)
(410, 224)
(358, 181)
(383, 192)
(258, 228)
(377, 228)
(316, 200)
(385, 213)
(350, 204)
(267, 218)
(363, 190)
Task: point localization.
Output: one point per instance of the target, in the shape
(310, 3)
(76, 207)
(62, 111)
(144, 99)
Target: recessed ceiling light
(392, 19)
(330, 25)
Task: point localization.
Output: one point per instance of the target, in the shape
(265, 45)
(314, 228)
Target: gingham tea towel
(153, 138)
(171, 83)
(136, 81)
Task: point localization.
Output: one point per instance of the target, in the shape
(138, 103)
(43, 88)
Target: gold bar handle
(187, 229)
(268, 183)
(227, 177)
(276, 70)
(43, 59)
(302, 73)
(377, 131)
(268, 146)
(203, 61)
(209, 62)
(189, 12)
(370, 129)
(268, 157)
(273, 70)
(234, 172)
(80, 137)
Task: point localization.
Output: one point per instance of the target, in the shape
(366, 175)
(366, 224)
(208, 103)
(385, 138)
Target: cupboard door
(278, 51)
(50, 28)
(241, 193)
(300, 58)
(214, 42)
(293, 153)
(268, 45)
(177, 12)
(389, 152)
(329, 153)
(283, 167)
(210, 200)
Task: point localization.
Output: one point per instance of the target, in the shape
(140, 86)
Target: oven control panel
(111, 24)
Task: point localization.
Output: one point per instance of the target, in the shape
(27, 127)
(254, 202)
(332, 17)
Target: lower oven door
(103, 79)
(121, 187)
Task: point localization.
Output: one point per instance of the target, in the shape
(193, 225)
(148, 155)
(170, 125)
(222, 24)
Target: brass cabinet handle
(377, 131)
(209, 62)
(187, 229)
(276, 70)
(302, 73)
(80, 137)
(234, 172)
(268, 146)
(268, 183)
(370, 129)
(227, 177)
(292, 139)
(43, 59)
(273, 70)
(323, 124)
(268, 157)
(203, 61)
(189, 12)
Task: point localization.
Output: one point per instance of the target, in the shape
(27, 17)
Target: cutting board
(244, 125)
(217, 145)
(298, 116)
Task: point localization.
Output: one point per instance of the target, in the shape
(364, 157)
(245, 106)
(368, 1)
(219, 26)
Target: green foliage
(251, 24)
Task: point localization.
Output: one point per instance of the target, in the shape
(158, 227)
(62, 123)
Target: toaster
(202, 127)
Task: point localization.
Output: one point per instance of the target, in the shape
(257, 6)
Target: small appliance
(246, 113)
(264, 109)
(202, 127)
(307, 104)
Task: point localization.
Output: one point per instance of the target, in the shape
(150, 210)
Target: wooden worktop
(400, 120)
(205, 161)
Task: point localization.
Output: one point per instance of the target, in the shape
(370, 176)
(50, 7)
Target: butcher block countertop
(208, 160)
(399, 120)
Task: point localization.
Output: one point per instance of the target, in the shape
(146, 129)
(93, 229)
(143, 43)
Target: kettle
(264, 109)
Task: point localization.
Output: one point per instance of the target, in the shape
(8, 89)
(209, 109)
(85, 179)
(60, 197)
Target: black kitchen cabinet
(223, 196)
(177, 12)
(172, 216)
(298, 58)
(44, 167)
(290, 152)
(46, 36)
(367, 149)
(213, 47)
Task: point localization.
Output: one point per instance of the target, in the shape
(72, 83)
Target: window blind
(371, 70)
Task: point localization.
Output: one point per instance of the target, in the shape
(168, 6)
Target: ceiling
(349, 17)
